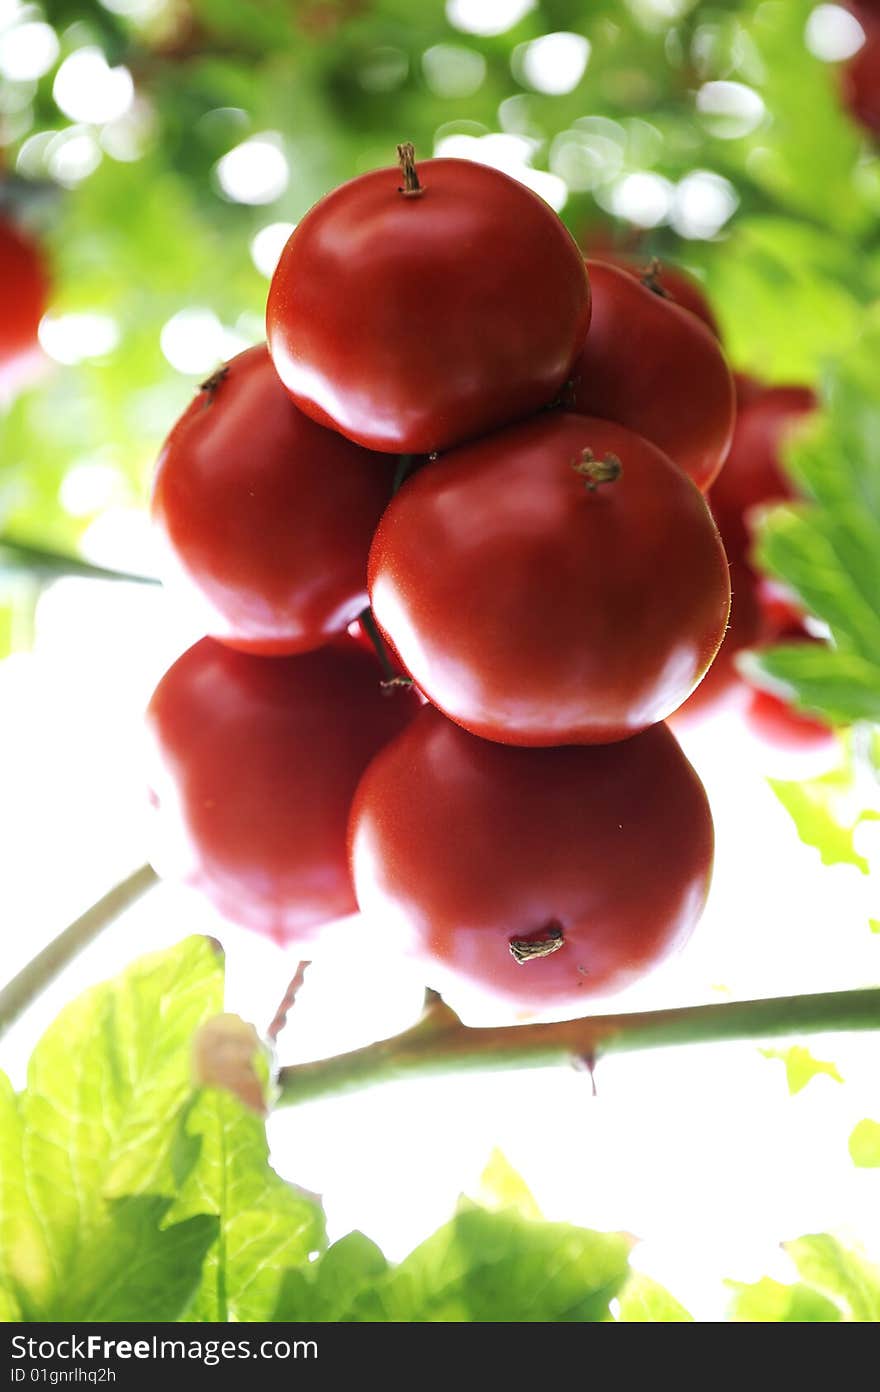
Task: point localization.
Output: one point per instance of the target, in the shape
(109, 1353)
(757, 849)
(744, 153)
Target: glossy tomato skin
(267, 518)
(24, 290)
(413, 323)
(665, 279)
(460, 847)
(534, 611)
(753, 474)
(653, 367)
(254, 764)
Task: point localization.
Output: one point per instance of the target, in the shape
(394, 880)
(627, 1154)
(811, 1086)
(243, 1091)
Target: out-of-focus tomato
(24, 290)
(753, 474)
(255, 762)
(655, 368)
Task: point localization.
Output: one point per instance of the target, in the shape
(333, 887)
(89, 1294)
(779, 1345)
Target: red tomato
(778, 724)
(267, 517)
(747, 389)
(667, 280)
(652, 366)
(860, 76)
(413, 321)
(24, 291)
(538, 878)
(770, 718)
(782, 615)
(722, 688)
(535, 611)
(753, 473)
(255, 764)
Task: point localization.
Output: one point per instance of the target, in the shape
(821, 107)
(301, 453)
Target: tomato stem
(439, 1043)
(651, 280)
(32, 980)
(212, 384)
(541, 944)
(401, 473)
(406, 158)
(287, 1002)
(371, 628)
(595, 471)
(20, 556)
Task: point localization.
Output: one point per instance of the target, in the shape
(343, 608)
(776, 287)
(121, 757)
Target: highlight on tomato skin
(253, 763)
(266, 519)
(535, 606)
(411, 320)
(654, 367)
(526, 881)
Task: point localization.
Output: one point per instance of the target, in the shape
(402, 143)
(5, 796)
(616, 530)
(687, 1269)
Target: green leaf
(327, 1290)
(773, 272)
(816, 178)
(485, 1267)
(827, 548)
(643, 1301)
(800, 1066)
(820, 822)
(864, 1144)
(502, 1187)
(766, 1302)
(104, 1085)
(265, 1225)
(133, 1267)
(843, 1275)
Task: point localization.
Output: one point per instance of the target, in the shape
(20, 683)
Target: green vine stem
(368, 624)
(405, 464)
(21, 558)
(439, 1043)
(32, 980)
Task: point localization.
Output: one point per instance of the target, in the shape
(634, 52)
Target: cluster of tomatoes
(448, 533)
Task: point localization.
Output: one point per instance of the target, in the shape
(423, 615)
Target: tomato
(778, 724)
(723, 688)
(255, 761)
(535, 609)
(24, 289)
(747, 389)
(267, 518)
(753, 473)
(411, 320)
(860, 76)
(669, 281)
(536, 878)
(652, 366)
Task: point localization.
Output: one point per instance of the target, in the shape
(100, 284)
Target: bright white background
(700, 1151)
